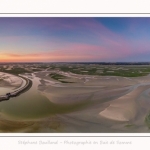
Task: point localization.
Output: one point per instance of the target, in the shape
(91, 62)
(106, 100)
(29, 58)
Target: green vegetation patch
(58, 77)
(129, 125)
(124, 73)
(43, 67)
(36, 70)
(109, 70)
(15, 71)
(147, 120)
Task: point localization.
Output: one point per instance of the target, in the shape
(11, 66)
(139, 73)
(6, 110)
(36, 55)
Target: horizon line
(83, 62)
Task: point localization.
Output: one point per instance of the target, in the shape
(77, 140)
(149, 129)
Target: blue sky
(74, 39)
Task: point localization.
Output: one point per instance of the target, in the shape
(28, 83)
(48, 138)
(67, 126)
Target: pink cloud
(74, 52)
(113, 45)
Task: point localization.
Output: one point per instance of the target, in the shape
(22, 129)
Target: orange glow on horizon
(40, 58)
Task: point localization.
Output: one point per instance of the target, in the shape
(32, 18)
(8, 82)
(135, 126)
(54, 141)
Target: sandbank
(124, 108)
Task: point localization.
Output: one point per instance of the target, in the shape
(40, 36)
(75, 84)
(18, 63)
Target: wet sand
(124, 108)
(9, 83)
(111, 100)
(91, 104)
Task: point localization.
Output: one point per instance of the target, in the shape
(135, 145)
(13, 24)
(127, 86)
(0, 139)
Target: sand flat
(67, 98)
(125, 107)
(10, 80)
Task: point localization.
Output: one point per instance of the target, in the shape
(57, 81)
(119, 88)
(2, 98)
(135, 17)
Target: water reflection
(32, 104)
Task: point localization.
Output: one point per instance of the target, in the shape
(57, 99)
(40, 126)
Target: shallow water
(32, 105)
(4, 90)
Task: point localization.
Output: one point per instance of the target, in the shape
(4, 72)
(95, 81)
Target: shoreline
(15, 93)
(125, 107)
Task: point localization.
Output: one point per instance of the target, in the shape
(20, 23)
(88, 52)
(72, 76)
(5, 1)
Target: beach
(84, 103)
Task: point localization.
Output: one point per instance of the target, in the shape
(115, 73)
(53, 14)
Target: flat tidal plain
(80, 104)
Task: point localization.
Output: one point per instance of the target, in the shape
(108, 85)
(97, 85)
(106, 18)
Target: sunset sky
(74, 39)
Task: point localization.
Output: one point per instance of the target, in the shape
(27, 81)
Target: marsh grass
(129, 125)
(147, 120)
(58, 77)
(124, 71)
(15, 71)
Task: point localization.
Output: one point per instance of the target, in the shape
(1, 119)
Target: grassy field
(106, 70)
(35, 70)
(58, 77)
(147, 120)
(84, 69)
(15, 71)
